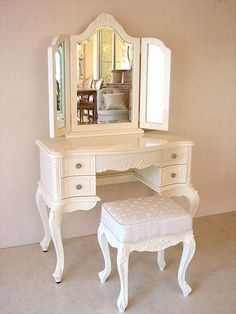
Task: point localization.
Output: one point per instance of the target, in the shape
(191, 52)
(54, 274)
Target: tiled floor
(27, 286)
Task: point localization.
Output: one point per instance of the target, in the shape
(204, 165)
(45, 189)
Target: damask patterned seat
(144, 224)
(144, 218)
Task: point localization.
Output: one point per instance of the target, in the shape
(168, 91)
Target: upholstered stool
(144, 224)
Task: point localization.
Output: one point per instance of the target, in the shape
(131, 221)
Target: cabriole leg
(103, 275)
(43, 211)
(122, 265)
(189, 246)
(161, 259)
(55, 219)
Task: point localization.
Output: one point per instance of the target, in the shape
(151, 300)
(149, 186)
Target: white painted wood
(115, 178)
(123, 268)
(55, 218)
(142, 152)
(161, 260)
(189, 246)
(102, 240)
(79, 165)
(176, 155)
(150, 141)
(72, 128)
(185, 190)
(157, 244)
(43, 211)
(108, 130)
(78, 186)
(163, 176)
(54, 130)
(145, 60)
(173, 175)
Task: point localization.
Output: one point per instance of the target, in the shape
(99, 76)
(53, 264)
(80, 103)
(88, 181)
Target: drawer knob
(78, 166)
(78, 187)
(173, 156)
(173, 175)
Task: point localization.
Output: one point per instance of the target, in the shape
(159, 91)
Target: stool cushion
(139, 219)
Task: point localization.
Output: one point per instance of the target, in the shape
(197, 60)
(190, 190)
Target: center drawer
(78, 186)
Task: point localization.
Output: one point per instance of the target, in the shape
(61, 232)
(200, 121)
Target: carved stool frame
(158, 244)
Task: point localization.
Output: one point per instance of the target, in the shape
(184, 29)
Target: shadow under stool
(144, 224)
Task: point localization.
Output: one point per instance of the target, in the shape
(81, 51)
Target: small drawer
(78, 186)
(173, 175)
(175, 155)
(79, 165)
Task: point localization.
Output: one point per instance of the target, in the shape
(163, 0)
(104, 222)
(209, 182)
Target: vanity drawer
(78, 186)
(175, 155)
(172, 175)
(79, 165)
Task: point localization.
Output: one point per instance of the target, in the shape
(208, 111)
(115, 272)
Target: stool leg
(189, 246)
(122, 265)
(161, 259)
(103, 275)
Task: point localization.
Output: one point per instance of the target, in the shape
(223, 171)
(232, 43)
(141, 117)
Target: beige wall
(202, 37)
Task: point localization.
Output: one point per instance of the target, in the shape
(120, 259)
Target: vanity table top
(147, 141)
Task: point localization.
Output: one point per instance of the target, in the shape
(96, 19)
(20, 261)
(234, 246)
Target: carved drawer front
(175, 155)
(79, 165)
(78, 186)
(173, 174)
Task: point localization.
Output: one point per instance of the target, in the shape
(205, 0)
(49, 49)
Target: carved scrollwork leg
(55, 219)
(189, 246)
(103, 275)
(43, 211)
(122, 265)
(161, 259)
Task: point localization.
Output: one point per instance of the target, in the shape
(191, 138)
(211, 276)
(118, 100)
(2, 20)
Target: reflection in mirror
(155, 77)
(60, 84)
(104, 78)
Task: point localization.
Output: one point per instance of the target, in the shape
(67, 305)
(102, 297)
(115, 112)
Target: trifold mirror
(97, 84)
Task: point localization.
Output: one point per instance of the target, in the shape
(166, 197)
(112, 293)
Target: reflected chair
(88, 109)
(84, 107)
(87, 84)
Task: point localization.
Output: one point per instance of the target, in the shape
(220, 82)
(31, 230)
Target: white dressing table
(69, 168)
(76, 153)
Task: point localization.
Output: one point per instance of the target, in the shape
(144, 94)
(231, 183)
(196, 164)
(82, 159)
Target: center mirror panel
(104, 67)
(104, 64)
